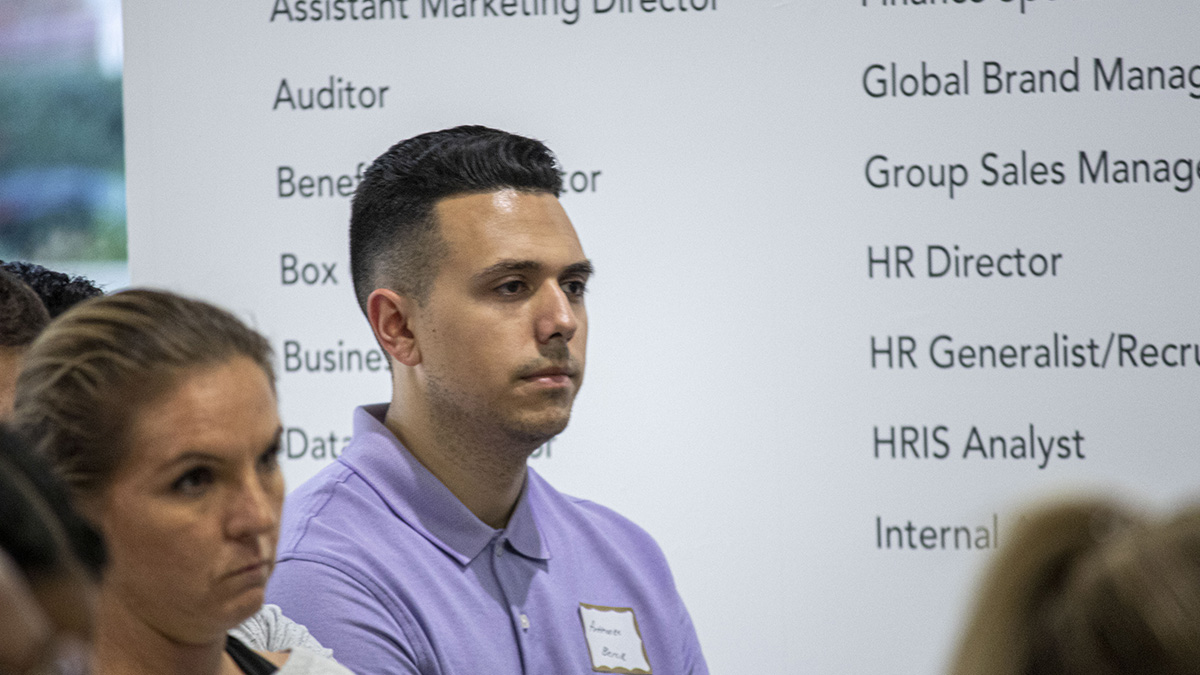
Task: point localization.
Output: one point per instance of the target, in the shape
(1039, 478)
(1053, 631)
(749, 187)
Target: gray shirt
(270, 631)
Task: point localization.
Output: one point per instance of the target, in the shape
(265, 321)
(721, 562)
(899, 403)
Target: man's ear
(391, 316)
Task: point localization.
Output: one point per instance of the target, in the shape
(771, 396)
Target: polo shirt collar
(522, 531)
(418, 498)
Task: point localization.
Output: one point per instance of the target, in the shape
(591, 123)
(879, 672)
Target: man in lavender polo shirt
(429, 546)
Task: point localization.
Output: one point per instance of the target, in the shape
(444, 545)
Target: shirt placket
(504, 562)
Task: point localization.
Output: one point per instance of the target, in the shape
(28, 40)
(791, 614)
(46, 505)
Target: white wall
(731, 405)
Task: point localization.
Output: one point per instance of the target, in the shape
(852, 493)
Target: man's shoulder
(340, 501)
(579, 519)
(555, 500)
(319, 487)
(335, 504)
(601, 557)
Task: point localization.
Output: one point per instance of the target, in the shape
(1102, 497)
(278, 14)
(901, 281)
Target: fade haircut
(394, 237)
(22, 315)
(59, 292)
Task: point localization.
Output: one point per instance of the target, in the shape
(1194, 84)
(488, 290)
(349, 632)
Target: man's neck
(485, 474)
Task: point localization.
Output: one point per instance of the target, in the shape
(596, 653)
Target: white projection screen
(871, 274)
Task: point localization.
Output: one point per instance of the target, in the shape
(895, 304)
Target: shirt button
(499, 549)
(524, 622)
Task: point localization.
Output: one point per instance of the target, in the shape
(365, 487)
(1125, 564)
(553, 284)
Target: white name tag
(613, 640)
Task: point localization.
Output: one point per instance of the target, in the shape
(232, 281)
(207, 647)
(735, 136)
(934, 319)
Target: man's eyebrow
(582, 268)
(505, 266)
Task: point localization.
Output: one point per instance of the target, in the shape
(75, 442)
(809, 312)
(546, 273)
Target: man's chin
(533, 432)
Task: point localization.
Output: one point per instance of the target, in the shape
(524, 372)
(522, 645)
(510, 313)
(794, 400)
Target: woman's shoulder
(302, 661)
(270, 631)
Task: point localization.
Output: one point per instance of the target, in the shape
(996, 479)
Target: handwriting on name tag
(614, 641)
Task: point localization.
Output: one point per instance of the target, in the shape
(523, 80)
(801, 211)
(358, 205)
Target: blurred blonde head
(1089, 588)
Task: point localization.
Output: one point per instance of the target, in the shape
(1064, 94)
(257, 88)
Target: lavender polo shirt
(385, 566)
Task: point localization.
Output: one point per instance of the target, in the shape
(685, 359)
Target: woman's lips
(262, 567)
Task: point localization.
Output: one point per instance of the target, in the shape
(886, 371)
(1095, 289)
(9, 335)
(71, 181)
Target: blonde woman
(159, 412)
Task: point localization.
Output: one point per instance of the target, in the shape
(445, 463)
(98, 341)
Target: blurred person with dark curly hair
(22, 317)
(58, 291)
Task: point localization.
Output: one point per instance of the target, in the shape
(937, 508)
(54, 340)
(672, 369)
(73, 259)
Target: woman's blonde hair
(89, 373)
(1089, 588)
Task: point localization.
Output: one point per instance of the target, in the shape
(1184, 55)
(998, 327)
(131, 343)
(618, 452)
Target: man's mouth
(554, 376)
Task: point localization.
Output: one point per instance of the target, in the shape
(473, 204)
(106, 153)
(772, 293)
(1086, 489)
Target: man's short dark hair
(22, 314)
(394, 238)
(58, 291)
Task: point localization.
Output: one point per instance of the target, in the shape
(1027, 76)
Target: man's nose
(555, 314)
